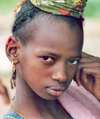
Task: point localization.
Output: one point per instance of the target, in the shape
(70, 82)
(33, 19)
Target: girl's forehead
(59, 32)
(58, 37)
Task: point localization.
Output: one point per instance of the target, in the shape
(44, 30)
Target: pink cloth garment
(80, 103)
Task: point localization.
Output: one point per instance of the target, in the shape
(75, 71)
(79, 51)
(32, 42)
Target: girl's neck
(35, 107)
(25, 93)
(27, 101)
(34, 101)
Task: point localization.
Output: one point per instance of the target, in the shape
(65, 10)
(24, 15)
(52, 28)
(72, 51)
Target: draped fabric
(62, 7)
(79, 103)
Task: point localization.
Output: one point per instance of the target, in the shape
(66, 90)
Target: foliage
(7, 6)
(92, 9)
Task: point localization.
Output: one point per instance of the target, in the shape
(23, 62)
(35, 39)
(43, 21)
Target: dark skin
(88, 74)
(45, 68)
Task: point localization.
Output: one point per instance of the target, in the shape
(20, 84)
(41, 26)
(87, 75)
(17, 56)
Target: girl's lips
(55, 90)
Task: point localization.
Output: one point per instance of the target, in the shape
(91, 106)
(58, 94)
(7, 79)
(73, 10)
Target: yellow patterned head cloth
(62, 7)
(73, 8)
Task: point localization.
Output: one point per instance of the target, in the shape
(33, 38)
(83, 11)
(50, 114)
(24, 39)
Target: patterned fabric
(8, 118)
(79, 103)
(14, 116)
(62, 7)
(11, 116)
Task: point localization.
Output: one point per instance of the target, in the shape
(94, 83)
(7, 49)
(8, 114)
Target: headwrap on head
(73, 8)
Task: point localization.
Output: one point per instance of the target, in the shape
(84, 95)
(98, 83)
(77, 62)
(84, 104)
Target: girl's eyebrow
(50, 53)
(80, 57)
(58, 55)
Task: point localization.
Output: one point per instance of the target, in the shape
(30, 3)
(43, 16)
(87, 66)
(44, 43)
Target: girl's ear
(12, 49)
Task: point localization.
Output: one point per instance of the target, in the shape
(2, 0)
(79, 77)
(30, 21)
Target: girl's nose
(60, 75)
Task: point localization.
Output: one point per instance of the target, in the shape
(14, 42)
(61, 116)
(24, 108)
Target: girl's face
(49, 61)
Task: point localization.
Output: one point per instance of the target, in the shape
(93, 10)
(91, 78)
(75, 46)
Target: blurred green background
(92, 9)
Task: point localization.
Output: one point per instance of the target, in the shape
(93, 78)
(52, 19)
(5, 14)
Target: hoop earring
(13, 79)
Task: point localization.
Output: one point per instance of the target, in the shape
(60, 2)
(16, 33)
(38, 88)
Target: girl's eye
(47, 59)
(74, 62)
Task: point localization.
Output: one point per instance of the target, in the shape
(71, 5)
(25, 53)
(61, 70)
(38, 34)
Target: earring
(13, 79)
(9, 41)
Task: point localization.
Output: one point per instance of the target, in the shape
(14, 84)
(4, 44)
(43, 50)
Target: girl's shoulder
(11, 116)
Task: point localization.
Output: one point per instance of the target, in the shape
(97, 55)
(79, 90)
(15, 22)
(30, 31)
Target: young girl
(45, 51)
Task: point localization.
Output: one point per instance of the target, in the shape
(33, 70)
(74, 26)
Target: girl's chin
(52, 97)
